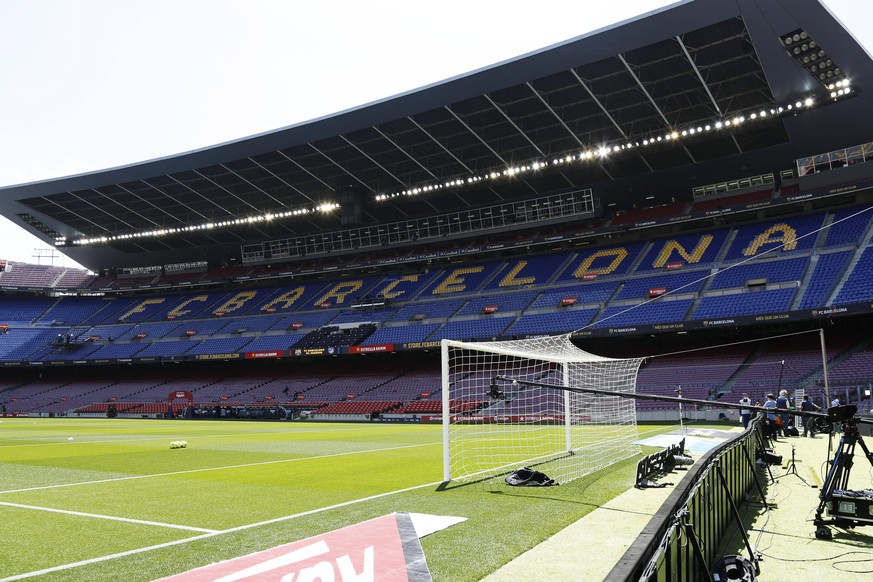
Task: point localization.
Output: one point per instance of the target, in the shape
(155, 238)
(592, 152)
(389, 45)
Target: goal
(497, 416)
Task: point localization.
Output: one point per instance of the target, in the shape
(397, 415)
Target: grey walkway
(784, 536)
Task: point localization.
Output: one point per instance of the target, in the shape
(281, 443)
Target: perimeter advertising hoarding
(266, 354)
(371, 349)
(384, 548)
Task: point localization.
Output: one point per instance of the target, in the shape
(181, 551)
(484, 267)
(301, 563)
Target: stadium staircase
(859, 252)
(804, 282)
(728, 386)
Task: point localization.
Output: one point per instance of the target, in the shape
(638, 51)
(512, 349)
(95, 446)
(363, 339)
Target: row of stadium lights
(327, 207)
(837, 90)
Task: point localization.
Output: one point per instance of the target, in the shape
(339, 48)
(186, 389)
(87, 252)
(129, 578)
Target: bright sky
(94, 84)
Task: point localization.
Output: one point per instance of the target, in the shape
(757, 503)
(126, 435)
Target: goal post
(495, 422)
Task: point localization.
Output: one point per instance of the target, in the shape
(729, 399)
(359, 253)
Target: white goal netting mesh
(494, 423)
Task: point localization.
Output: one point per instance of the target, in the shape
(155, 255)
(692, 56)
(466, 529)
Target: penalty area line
(211, 534)
(109, 517)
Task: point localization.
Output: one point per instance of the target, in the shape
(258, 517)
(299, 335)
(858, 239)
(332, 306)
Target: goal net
(495, 423)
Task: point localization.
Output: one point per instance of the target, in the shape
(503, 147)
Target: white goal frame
(492, 426)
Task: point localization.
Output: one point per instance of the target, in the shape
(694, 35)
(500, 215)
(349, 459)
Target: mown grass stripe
(211, 534)
(109, 517)
(205, 469)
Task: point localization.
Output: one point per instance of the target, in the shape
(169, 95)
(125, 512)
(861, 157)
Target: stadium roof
(690, 66)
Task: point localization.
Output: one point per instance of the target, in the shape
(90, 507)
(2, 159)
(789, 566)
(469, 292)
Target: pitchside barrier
(683, 539)
(658, 463)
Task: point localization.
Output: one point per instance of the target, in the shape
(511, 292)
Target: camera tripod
(791, 469)
(843, 505)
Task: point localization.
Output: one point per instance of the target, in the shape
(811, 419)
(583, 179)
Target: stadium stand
(475, 210)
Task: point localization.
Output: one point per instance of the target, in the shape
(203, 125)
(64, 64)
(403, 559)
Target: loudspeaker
(352, 198)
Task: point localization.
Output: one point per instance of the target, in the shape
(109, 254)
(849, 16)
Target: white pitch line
(84, 440)
(215, 533)
(210, 535)
(205, 469)
(109, 517)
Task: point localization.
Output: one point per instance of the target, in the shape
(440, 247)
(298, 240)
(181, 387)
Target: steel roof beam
(651, 100)
(337, 164)
(705, 86)
(476, 135)
(276, 176)
(513, 124)
(314, 177)
(261, 190)
(141, 199)
(186, 186)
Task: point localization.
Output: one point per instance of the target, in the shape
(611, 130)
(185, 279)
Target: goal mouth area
(510, 404)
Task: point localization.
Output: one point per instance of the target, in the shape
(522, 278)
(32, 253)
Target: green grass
(238, 474)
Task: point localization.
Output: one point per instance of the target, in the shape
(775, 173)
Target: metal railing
(682, 541)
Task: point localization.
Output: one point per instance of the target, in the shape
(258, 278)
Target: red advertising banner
(267, 354)
(490, 308)
(385, 548)
(674, 266)
(297, 325)
(371, 349)
(589, 276)
(569, 301)
(510, 418)
(657, 291)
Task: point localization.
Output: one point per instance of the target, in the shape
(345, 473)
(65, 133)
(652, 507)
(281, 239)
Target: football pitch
(100, 499)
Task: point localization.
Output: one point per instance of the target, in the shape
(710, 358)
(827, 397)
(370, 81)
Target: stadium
(376, 312)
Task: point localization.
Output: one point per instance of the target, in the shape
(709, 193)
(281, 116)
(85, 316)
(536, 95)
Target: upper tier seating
(605, 261)
(859, 285)
(498, 303)
(584, 294)
(749, 303)
(398, 334)
(849, 226)
(485, 328)
(551, 323)
(599, 287)
(791, 234)
(525, 272)
(641, 313)
(677, 282)
(698, 249)
(827, 272)
(772, 271)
